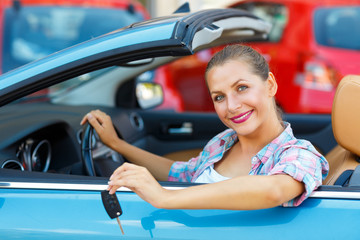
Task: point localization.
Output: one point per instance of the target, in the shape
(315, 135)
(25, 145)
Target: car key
(112, 206)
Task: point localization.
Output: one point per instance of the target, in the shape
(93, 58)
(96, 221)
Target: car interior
(343, 158)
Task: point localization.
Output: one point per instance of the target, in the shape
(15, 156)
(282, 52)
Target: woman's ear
(272, 85)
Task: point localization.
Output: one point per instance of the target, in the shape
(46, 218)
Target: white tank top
(209, 175)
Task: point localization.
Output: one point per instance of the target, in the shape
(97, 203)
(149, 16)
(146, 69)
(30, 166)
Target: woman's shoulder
(290, 140)
(287, 144)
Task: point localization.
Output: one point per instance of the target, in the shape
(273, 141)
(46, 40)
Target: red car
(32, 29)
(312, 45)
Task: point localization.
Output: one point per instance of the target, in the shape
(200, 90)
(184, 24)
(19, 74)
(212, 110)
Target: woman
(257, 162)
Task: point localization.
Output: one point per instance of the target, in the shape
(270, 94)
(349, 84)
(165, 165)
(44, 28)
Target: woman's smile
(242, 117)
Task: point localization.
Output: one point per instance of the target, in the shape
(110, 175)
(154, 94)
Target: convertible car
(53, 170)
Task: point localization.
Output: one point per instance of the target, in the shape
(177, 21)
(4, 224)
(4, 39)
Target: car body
(312, 45)
(45, 191)
(32, 29)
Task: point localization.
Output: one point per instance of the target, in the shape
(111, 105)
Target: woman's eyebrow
(232, 86)
(215, 92)
(237, 82)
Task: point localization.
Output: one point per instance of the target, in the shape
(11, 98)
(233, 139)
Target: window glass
(338, 27)
(35, 32)
(274, 13)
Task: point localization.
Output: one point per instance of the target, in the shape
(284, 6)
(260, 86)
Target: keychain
(112, 206)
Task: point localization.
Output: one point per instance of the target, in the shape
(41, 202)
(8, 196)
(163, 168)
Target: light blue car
(50, 184)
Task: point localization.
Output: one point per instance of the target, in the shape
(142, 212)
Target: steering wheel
(110, 160)
(86, 149)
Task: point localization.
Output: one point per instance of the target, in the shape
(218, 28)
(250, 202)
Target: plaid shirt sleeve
(304, 165)
(183, 171)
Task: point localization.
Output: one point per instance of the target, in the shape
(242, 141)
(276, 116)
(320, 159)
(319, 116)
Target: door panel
(183, 155)
(165, 135)
(315, 128)
(60, 214)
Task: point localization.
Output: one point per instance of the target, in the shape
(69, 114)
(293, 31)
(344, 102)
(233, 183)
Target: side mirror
(149, 94)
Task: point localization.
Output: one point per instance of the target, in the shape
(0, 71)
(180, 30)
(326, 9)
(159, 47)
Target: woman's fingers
(138, 179)
(124, 167)
(126, 173)
(95, 114)
(102, 124)
(83, 120)
(96, 122)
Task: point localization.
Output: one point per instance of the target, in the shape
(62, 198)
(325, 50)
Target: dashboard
(47, 138)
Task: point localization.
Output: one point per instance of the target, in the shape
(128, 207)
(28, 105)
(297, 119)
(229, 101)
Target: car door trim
(354, 194)
(65, 186)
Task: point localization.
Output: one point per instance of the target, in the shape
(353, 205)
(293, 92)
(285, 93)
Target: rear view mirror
(149, 94)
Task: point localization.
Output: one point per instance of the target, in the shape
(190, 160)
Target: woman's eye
(242, 88)
(218, 98)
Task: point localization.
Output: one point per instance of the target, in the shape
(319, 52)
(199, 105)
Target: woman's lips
(241, 117)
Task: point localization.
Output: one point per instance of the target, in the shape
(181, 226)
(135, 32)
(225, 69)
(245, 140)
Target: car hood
(176, 35)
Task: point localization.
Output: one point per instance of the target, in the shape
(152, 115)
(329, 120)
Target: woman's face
(242, 100)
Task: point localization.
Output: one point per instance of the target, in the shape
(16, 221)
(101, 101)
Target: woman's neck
(266, 133)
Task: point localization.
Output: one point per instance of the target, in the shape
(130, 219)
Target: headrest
(345, 115)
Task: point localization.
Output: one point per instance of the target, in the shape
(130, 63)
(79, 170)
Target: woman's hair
(257, 63)
(255, 60)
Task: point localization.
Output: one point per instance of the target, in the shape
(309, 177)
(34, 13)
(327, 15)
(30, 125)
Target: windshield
(338, 27)
(75, 91)
(31, 33)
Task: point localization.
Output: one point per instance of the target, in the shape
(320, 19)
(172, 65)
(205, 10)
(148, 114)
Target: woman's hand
(140, 181)
(103, 125)
(134, 177)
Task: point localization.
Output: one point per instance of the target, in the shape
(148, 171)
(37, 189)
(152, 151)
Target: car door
(70, 207)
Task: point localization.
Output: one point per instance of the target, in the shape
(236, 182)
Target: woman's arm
(240, 193)
(157, 165)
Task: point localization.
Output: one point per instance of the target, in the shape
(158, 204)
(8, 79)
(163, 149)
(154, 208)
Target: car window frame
(14, 179)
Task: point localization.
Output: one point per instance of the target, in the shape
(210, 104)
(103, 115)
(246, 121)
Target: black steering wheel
(86, 149)
(90, 143)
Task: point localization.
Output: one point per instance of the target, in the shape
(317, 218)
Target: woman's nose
(233, 104)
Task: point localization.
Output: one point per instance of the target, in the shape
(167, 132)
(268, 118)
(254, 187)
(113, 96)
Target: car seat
(345, 118)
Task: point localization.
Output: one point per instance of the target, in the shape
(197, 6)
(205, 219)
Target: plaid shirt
(284, 155)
